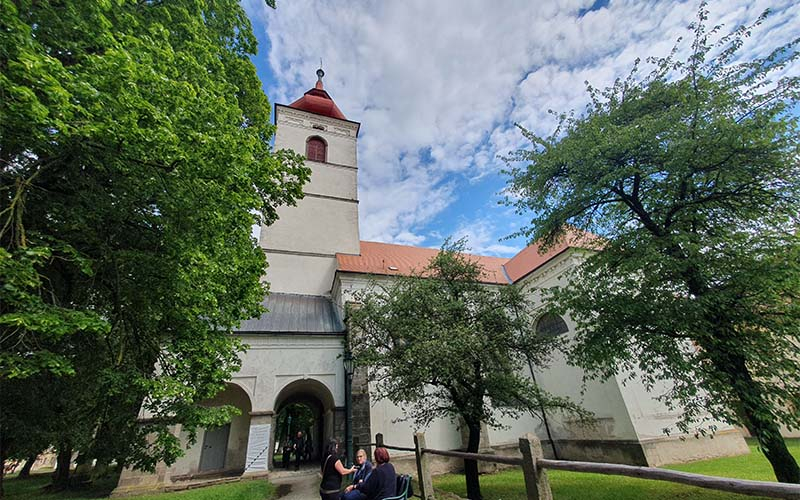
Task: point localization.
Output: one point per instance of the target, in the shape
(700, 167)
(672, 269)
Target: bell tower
(301, 245)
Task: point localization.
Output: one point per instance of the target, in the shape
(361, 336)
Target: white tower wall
(301, 246)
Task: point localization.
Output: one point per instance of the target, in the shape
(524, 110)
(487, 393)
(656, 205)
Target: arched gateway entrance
(225, 448)
(218, 452)
(307, 406)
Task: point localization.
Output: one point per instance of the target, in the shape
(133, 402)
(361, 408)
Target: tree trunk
(763, 427)
(774, 447)
(2, 467)
(754, 411)
(63, 460)
(760, 421)
(25, 473)
(471, 466)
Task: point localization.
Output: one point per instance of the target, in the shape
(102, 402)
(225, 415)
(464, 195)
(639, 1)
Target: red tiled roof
(388, 259)
(529, 259)
(318, 101)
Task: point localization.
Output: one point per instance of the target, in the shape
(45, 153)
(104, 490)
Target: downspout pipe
(544, 414)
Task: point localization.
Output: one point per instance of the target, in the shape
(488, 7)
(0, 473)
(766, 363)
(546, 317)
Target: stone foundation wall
(339, 422)
(134, 482)
(653, 453)
(362, 431)
(673, 450)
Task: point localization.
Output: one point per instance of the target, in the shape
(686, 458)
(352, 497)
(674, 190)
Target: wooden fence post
(379, 440)
(423, 467)
(537, 486)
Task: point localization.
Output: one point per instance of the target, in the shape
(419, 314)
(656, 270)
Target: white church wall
(190, 461)
(794, 433)
(625, 412)
(387, 418)
(303, 274)
(315, 225)
(278, 360)
(347, 285)
(602, 397)
(332, 180)
(301, 245)
(650, 417)
(296, 126)
(514, 428)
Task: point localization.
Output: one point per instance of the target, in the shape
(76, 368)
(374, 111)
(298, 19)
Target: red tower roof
(318, 101)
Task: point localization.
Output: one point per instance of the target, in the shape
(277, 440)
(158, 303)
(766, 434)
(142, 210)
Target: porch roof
(291, 313)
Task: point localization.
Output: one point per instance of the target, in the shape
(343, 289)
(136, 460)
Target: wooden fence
(537, 486)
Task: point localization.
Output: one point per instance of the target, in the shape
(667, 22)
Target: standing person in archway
(332, 472)
(309, 447)
(299, 447)
(287, 452)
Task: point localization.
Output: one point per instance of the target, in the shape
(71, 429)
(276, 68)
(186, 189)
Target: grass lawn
(34, 488)
(509, 485)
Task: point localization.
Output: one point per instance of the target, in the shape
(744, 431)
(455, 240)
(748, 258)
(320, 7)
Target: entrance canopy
(290, 313)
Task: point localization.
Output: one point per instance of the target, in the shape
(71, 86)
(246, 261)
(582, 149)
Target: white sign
(258, 448)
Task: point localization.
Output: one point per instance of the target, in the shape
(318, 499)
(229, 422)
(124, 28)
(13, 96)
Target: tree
(442, 344)
(134, 160)
(690, 174)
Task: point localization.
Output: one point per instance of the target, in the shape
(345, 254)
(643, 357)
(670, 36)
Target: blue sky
(438, 86)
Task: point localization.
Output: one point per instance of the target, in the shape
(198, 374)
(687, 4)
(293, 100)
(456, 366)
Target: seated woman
(363, 472)
(332, 472)
(382, 483)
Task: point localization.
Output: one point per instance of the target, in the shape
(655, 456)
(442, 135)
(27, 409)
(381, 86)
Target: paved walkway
(302, 485)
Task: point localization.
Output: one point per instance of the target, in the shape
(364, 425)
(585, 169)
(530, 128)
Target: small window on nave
(316, 149)
(551, 325)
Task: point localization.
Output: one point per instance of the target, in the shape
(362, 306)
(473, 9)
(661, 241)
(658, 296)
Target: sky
(438, 87)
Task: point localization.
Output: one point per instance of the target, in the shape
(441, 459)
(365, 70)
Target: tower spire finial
(320, 74)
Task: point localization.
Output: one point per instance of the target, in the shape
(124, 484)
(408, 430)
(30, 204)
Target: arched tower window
(316, 149)
(551, 325)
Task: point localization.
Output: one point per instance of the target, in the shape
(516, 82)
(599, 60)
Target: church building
(297, 352)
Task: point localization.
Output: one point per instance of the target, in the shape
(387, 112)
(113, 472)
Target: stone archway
(229, 459)
(318, 399)
(233, 436)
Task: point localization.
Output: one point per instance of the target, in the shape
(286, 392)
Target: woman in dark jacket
(332, 472)
(382, 483)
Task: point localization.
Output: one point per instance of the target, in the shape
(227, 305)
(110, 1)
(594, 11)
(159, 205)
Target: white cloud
(438, 85)
(482, 238)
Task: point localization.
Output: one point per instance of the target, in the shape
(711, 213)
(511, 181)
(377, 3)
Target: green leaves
(31, 326)
(134, 160)
(690, 174)
(441, 344)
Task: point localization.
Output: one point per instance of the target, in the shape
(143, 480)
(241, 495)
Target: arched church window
(316, 149)
(551, 325)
